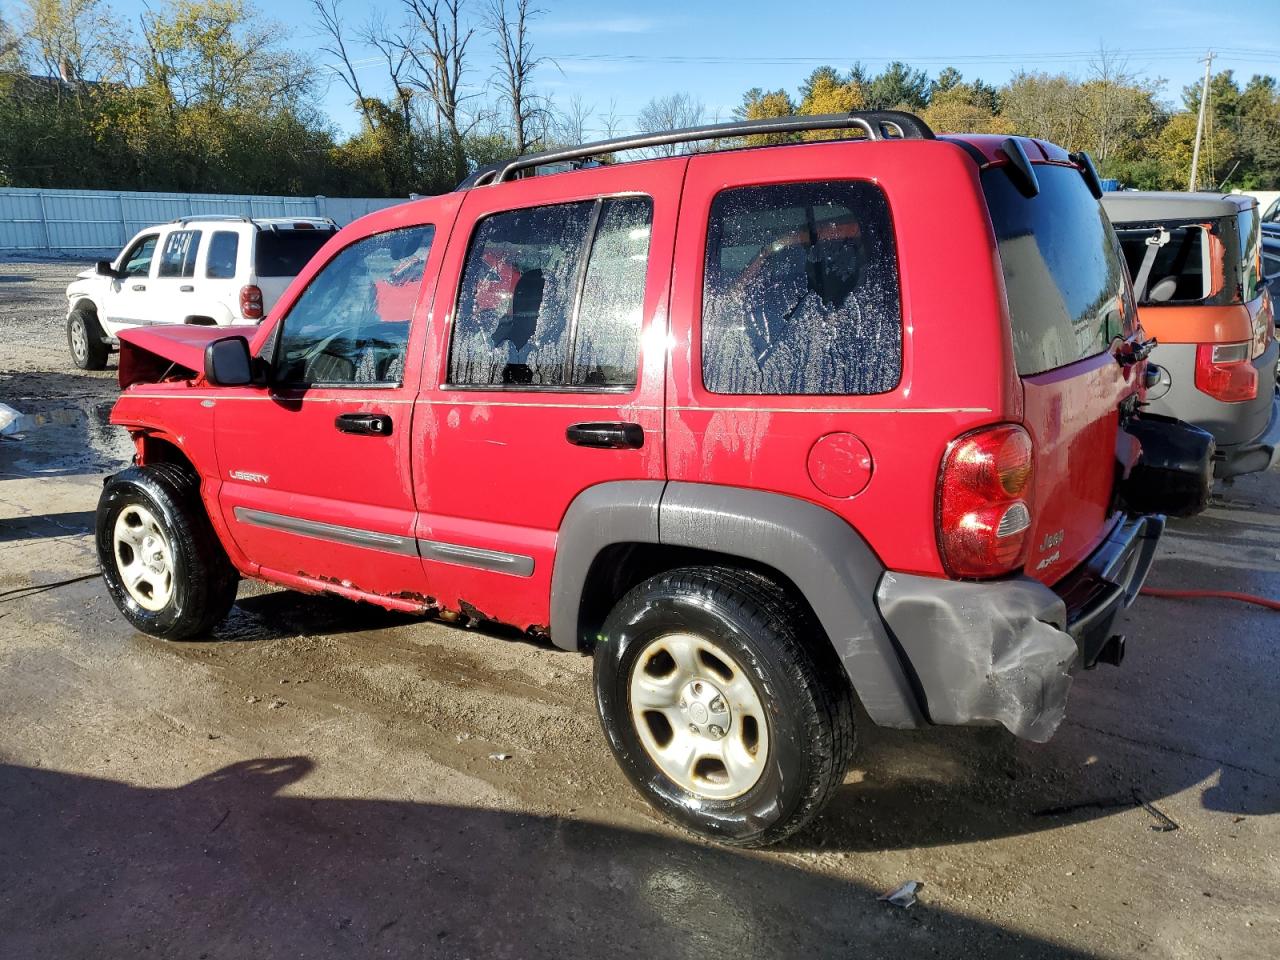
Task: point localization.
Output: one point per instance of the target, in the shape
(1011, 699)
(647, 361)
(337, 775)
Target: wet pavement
(317, 780)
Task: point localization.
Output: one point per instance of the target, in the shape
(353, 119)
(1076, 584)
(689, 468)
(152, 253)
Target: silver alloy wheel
(79, 339)
(143, 557)
(698, 716)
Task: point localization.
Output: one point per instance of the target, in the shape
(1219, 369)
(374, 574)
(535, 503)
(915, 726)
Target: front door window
(137, 262)
(351, 325)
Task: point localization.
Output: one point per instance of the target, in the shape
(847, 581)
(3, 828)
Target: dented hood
(147, 353)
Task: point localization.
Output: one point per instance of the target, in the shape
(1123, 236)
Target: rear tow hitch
(1112, 651)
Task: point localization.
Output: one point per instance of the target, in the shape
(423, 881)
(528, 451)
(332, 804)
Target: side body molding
(819, 552)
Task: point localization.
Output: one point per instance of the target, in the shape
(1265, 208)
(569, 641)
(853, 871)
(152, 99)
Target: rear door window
(1064, 273)
(552, 296)
(178, 258)
(800, 291)
(283, 253)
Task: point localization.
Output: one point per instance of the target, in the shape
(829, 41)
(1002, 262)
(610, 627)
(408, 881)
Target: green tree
(898, 87)
(760, 104)
(947, 79)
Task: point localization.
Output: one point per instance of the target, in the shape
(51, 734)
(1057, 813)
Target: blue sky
(717, 50)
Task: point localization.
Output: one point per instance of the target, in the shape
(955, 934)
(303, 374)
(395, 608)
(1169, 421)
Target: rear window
(1182, 269)
(800, 291)
(1063, 270)
(283, 253)
(1214, 262)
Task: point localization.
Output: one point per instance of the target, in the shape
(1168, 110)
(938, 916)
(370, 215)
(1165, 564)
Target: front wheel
(85, 339)
(721, 706)
(162, 562)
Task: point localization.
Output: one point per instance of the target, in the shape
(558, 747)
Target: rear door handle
(370, 424)
(606, 436)
(139, 286)
(186, 288)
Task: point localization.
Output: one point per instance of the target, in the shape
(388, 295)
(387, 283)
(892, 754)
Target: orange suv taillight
(1224, 371)
(251, 303)
(983, 517)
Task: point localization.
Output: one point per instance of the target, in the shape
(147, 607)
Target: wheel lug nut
(717, 705)
(715, 731)
(693, 728)
(697, 688)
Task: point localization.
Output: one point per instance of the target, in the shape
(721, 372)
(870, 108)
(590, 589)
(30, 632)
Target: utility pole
(1204, 99)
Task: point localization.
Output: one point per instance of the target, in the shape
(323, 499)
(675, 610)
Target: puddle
(62, 438)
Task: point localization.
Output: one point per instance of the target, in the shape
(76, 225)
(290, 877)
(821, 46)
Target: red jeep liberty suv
(764, 428)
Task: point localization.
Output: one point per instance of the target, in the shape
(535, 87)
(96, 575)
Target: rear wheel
(89, 349)
(162, 562)
(717, 707)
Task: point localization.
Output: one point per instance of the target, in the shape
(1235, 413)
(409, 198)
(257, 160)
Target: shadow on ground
(39, 526)
(232, 865)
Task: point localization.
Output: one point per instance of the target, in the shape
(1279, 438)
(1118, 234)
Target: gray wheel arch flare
(827, 560)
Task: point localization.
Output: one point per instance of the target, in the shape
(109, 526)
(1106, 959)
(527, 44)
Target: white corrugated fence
(88, 223)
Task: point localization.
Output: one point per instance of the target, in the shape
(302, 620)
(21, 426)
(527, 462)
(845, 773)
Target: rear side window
(800, 291)
(1063, 269)
(283, 253)
(220, 262)
(1250, 239)
(178, 258)
(552, 296)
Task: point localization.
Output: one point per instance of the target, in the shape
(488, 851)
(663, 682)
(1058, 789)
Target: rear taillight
(251, 303)
(1224, 371)
(984, 519)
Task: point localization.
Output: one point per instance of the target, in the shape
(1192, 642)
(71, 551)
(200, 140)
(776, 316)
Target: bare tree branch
(509, 24)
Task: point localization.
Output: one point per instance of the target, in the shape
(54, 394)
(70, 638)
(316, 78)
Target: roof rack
(212, 216)
(875, 125)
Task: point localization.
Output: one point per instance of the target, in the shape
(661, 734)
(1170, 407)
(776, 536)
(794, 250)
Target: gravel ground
(318, 781)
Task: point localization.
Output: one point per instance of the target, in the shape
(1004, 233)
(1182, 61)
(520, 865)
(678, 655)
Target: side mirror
(103, 268)
(227, 362)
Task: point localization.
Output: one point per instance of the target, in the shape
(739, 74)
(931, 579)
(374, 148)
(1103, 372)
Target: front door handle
(606, 436)
(186, 288)
(139, 286)
(369, 424)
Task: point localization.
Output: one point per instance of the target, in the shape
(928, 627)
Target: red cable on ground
(1212, 595)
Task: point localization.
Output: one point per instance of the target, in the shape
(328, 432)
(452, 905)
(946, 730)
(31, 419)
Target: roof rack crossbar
(875, 125)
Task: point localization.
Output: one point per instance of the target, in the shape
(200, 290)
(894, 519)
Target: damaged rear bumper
(1005, 651)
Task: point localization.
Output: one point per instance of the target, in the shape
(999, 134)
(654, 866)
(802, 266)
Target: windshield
(283, 253)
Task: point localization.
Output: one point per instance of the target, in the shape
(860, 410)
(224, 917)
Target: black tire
(203, 579)
(805, 692)
(85, 340)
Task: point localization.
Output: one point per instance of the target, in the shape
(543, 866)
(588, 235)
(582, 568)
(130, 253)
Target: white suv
(199, 270)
